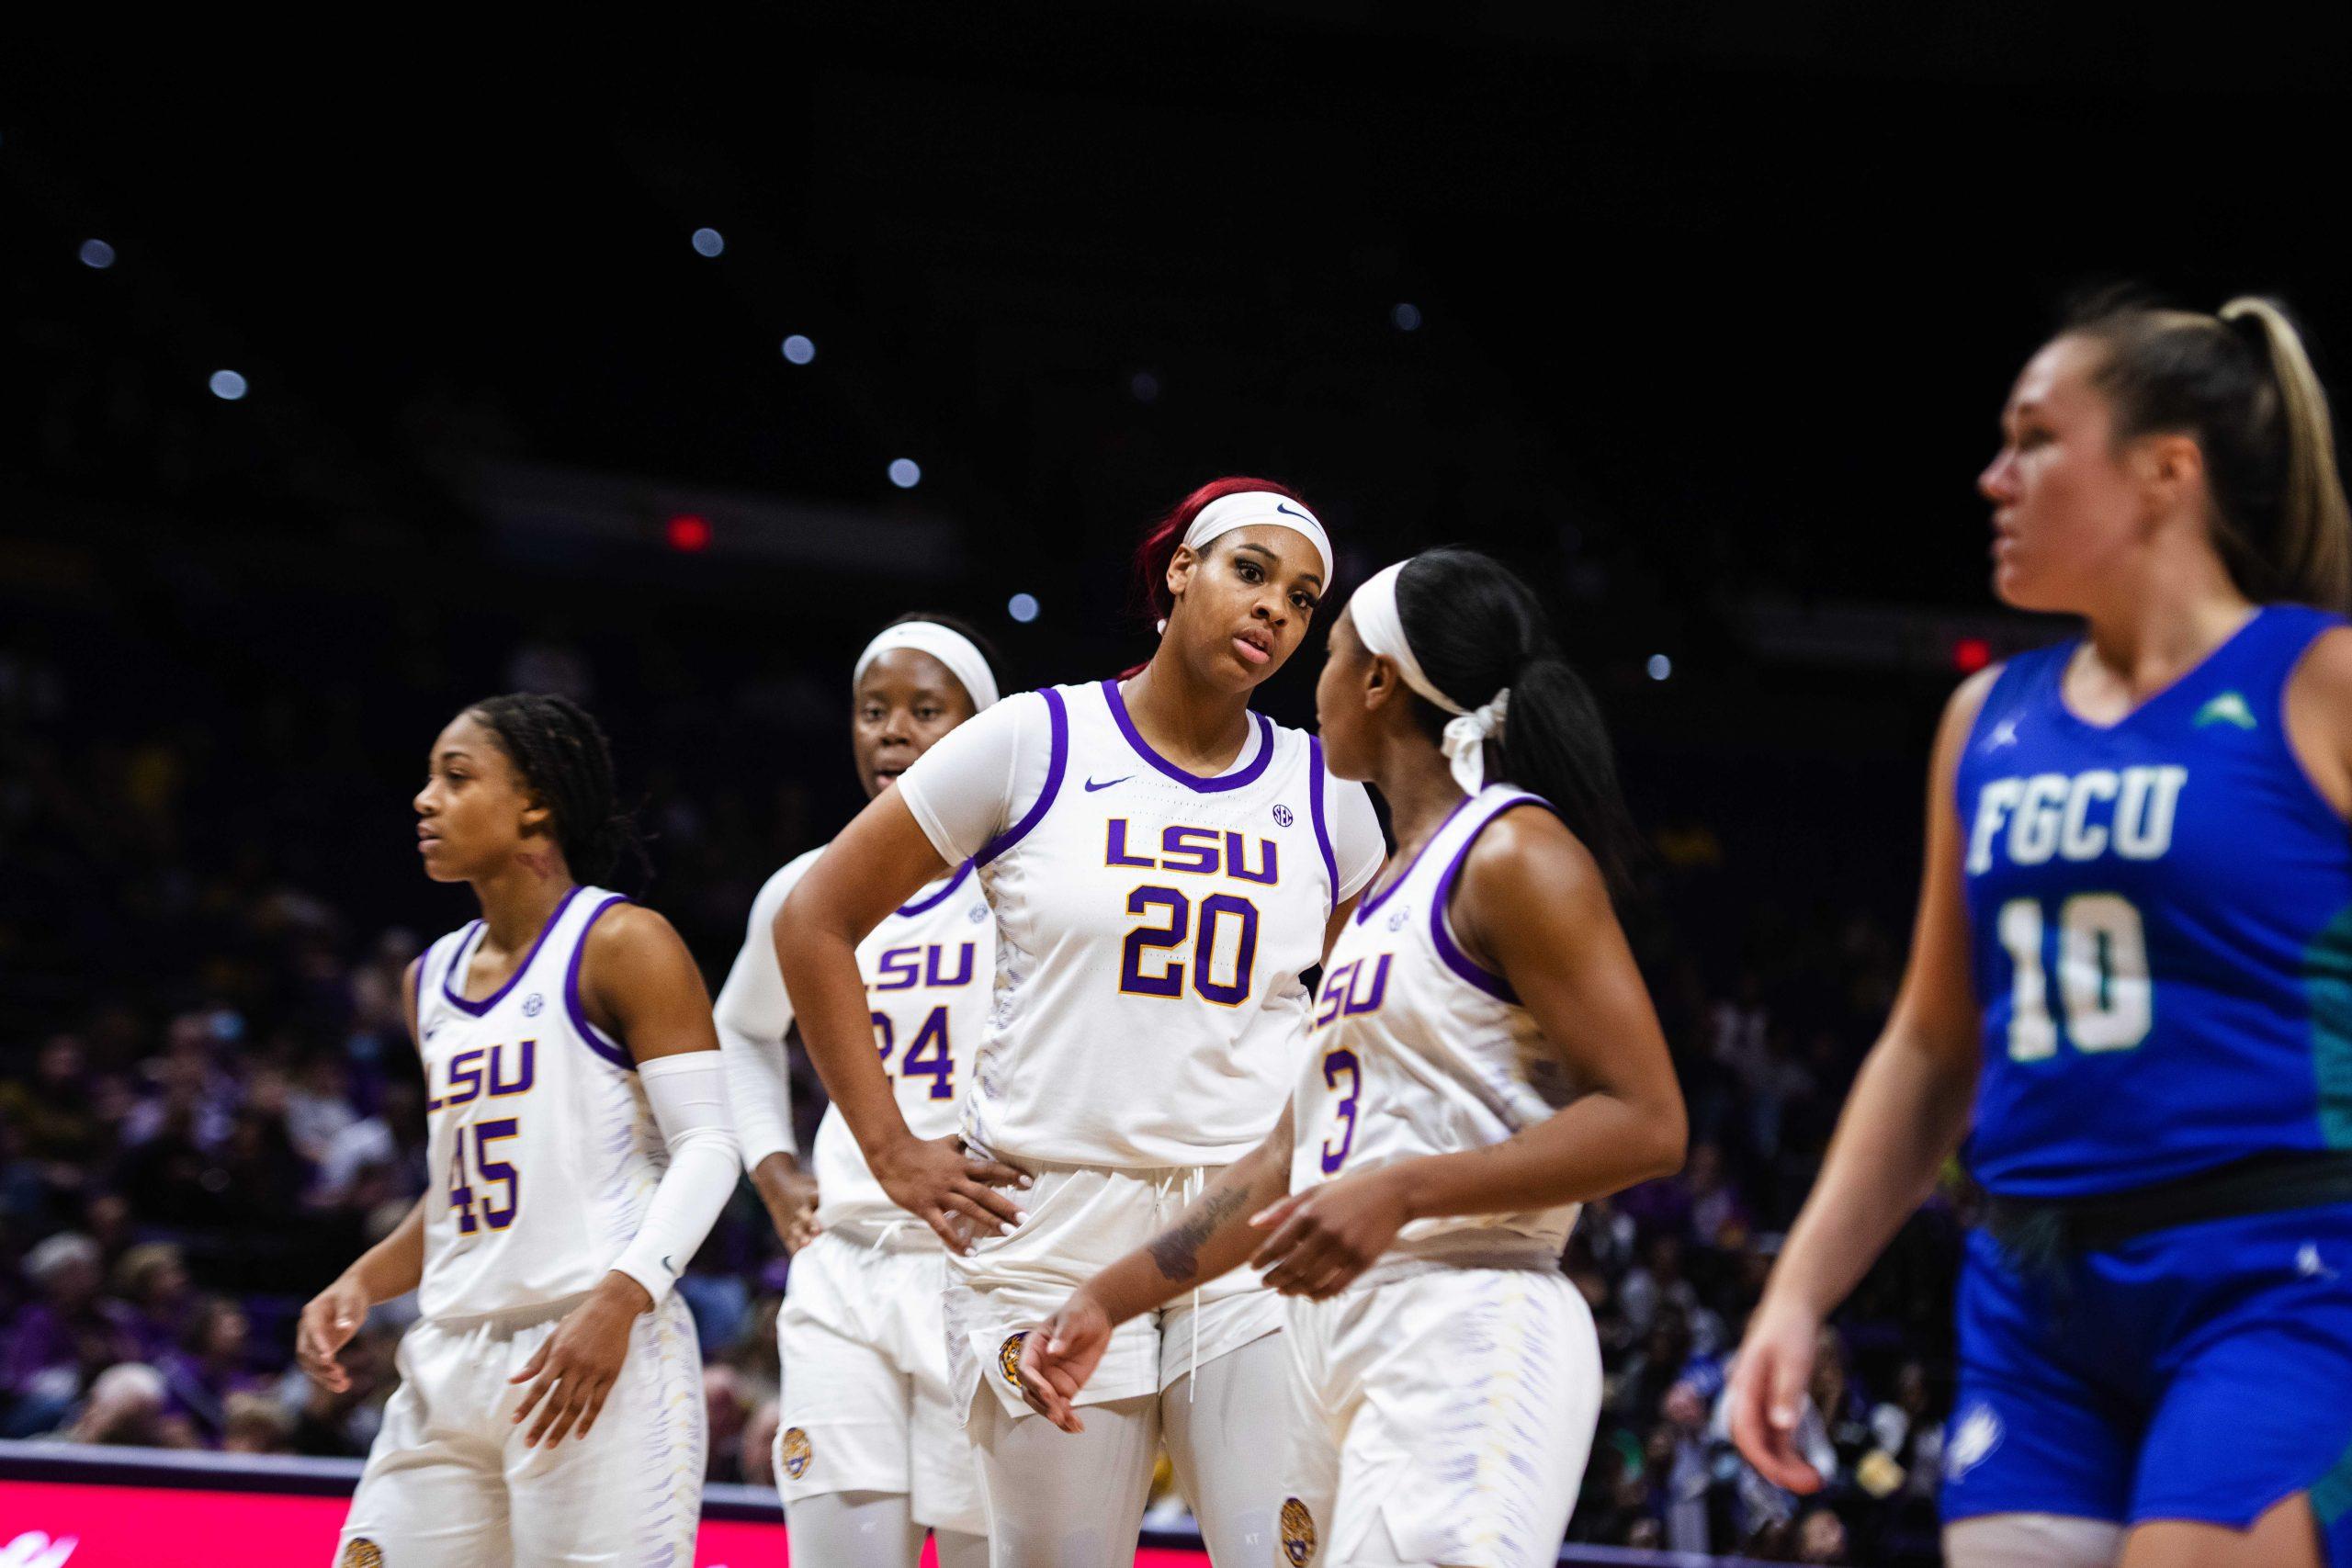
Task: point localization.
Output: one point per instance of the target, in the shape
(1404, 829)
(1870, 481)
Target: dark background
(1716, 311)
(1711, 313)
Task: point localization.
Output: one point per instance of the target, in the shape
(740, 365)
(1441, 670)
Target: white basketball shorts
(865, 1405)
(1081, 1218)
(450, 1485)
(1441, 1414)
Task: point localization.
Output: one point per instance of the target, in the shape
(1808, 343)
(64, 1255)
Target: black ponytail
(1477, 628)
(564, 759)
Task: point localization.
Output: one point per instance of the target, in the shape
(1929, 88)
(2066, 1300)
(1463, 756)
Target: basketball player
(2132, 944)
(550, 1406)
(1162, 864)
(869, 1452)
(1484, 1058)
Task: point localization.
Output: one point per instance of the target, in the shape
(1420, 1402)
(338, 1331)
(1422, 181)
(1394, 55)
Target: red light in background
(688, 533)
(1971, 654)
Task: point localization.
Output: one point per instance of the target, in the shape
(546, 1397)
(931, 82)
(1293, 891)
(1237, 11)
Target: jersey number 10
(2103, 985)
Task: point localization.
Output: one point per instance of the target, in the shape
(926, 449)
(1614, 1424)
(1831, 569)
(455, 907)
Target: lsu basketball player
(1484, 1058)
(2133, 954)
(870, 1454)
(1162, 864)
(550, 1406)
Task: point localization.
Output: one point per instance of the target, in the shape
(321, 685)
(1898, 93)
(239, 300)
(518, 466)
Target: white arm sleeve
(688, 1093)
(961, 791)
(753, 1014)
(1356, 843)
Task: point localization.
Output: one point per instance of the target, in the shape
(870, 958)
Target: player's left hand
(1321, 1239)
(1059, 1355)
(577, 1365)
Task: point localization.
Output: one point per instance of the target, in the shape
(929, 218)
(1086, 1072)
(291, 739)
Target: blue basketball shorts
(2199, 1373)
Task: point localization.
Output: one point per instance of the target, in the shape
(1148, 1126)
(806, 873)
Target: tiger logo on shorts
(360, 1552)
(1298, 1533)
(1008, 1361)
(794, 1451)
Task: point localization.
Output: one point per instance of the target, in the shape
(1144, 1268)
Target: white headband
(1382, 632)
(1251, 508)
(945, 644)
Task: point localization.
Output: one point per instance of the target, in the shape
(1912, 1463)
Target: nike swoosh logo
(1300, 516)
(667, 1264)
(1107, 783)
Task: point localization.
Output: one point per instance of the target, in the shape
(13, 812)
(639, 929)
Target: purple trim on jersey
(1315, 811)
(939, 897)
(1460, 962)
(1208, 785)
(597, 1041)
(1057, 721)
(463, 959)
(416, 1000)
(1364, 910)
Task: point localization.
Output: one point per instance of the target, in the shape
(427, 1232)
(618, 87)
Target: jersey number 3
(2103, 986)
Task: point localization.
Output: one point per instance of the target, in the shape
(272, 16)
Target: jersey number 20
(1145, 967)
(2102, 975)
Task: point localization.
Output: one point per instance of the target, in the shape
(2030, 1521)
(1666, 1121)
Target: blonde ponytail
(2313, 548)
(2241, 383)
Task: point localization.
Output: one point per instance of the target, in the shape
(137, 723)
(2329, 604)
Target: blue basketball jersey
(2160, 922)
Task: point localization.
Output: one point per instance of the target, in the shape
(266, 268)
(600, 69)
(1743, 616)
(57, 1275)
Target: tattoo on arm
(1177, 1250)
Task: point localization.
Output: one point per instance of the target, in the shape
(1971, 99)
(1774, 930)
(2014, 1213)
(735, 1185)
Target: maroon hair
(1159, 542)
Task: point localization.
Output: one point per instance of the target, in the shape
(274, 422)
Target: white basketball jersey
(1152, 925)
(1416, 1050)
(542, 1151)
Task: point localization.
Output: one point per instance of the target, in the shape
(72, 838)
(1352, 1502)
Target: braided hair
(564, 760)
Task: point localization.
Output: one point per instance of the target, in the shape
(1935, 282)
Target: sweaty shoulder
(2319, 715)
(1528, 845)
(634, 966)
(1961, 711)
(625, 930)
(1524, 869)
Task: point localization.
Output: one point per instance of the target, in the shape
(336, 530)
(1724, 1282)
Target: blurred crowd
(208, 1106)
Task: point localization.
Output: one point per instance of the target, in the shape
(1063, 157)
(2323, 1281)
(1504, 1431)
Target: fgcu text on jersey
(1152, 925)
(2160, 916)
(541, 1148)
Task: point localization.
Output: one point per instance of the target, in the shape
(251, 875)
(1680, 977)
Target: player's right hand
(950, 1190)
(790, 1194)
(1767, 1391)
(1059, 1355)
(326, 1326)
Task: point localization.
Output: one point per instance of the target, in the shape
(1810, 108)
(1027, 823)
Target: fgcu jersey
(1152, 925)
(927, 971)
(1417, 1050)
(2160, 919)
(542, 1151)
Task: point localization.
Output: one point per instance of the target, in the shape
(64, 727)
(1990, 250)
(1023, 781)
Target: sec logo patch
(793, 1452)
(1298, 1533)
(1008, 1360)
(360, 1552)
